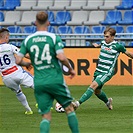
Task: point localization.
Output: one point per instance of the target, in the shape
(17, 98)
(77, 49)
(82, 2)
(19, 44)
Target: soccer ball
(59, 108)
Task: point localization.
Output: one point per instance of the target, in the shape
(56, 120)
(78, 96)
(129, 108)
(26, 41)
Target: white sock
(22, 98)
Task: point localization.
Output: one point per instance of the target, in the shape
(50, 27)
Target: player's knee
(69, 109)
(97, 92)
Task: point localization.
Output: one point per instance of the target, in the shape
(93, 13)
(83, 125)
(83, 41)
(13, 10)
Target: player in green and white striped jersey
(110, 50)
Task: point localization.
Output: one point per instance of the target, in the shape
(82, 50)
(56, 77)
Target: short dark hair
(111, 30)
(3, 30)
(42, 17)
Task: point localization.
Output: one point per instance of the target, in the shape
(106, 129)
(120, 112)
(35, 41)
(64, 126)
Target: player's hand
(95, 45)
(72, 73)
(28, 66)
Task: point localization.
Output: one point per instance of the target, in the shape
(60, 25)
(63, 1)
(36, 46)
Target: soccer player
(110, 50)
(46, 54)
(12, 74)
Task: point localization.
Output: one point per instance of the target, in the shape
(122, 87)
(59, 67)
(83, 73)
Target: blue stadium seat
(119, 29)
(50, 16)
(29, 29)
(112, 17)
(10, 4)
(129, 29)
(127, 19)
(1, 3)
(98, 30)
(130, 44)
(14, 29)
(81, 30)
(1, 16)
(61, 18)
(51, 29)
(125, 5)
(64, 30)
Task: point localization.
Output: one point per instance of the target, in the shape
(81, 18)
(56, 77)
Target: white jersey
(7, 58)
(12, 74)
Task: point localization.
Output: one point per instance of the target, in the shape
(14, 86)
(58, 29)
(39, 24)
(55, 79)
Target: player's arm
(129, 54)
(65, 62)
(96, 45)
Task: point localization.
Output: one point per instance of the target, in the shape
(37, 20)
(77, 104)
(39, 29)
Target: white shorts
(17, 78)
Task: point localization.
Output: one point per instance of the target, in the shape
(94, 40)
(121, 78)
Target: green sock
(44, 126)
(73, 122)
(102, 96)
(86, 95)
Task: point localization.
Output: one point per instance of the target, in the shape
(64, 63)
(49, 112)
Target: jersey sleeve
(59, 45)
(121, 48)
(23, 49)
(15, 49)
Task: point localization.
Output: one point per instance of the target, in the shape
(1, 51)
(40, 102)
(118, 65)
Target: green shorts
(46, 93)
(102, 78)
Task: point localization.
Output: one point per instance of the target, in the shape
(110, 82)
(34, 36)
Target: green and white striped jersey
(108, 56)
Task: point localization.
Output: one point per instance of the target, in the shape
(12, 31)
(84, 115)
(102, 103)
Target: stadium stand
(14, 29)
(50, 16)
(26, 5)
(97, 30)
(62, 17)
(112, 17)
(1, 16)
(10, 5)
(130, 44)
(1, 3)
(51, 29)
(80, 30)
(60, 5)
(78, 18)
(29, 29)
(95, 17)
(42, 5)
(109, 5)
(129, 29)
(28, 17)
(127, 19)
(119, 29)
(96, 14)
(93, 4)
(76, 5)
(125, 5)
(65, 30)
(11, 17)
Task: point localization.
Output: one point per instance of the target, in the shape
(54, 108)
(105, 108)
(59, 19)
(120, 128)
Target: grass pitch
(93, 115)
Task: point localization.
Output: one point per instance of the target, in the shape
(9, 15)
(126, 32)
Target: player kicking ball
(12, 74)
(110, 50)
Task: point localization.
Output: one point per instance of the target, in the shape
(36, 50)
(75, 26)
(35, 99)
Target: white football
(59, 108)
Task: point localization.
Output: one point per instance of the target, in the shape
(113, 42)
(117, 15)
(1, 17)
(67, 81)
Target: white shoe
(75, 104)
(109, 103)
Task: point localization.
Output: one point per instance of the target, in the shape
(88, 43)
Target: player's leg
(86, 95)
(72, 118)
(26, 79)
(101, 94)
(45, 102)
(10, 82)
(64, 98)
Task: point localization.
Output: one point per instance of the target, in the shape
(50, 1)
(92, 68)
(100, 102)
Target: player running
(12, 74)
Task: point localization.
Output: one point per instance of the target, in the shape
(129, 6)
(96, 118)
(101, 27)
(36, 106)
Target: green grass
(93, 115)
